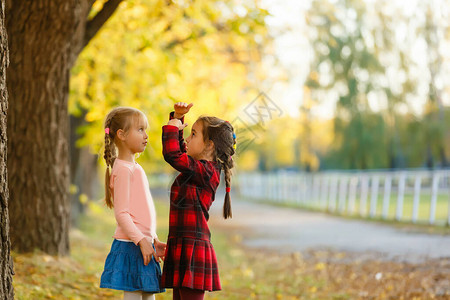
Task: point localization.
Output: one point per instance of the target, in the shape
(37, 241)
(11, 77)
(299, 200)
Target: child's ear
(120, 134)
(210, 145)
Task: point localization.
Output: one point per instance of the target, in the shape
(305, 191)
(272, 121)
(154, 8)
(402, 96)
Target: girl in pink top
(132, 264)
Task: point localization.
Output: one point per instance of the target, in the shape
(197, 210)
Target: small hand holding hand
(177, 123)
(146, 249)
(160, 250)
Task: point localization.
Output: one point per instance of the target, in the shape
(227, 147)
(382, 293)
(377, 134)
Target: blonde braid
(110, 157)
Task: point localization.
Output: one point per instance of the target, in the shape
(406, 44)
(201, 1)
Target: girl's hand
(146, 249)
(181, 108)
(177, 123)
(160, 250)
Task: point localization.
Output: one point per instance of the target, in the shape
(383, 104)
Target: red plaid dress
(190, 258)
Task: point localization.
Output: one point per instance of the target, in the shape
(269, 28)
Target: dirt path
(291, 230)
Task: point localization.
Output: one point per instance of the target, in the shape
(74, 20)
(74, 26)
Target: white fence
(408, 195)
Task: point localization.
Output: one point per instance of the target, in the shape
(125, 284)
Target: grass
(245, 273)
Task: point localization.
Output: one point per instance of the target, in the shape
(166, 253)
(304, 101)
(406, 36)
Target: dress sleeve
(180, 136)
(122, 190)
(178, 159)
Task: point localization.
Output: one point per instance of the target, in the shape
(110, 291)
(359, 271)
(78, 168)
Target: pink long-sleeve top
(133, 204)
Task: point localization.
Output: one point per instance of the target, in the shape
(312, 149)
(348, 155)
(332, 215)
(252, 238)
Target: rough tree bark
(6, 269)
(45, 39)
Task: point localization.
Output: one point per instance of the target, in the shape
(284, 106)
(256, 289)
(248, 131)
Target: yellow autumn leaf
(320, 266)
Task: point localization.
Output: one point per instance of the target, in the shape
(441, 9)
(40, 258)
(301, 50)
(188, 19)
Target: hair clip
(234, 135)
(228, 189)
(234, 146)
(107, 130)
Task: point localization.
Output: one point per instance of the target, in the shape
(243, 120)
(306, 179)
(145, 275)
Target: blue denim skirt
(125, 270)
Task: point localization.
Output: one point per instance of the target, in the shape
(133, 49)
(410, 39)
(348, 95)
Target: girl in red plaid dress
(190, 265)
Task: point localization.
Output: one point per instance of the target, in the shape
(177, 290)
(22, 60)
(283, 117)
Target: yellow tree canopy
(151, 54)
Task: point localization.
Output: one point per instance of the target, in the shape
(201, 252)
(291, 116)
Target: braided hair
(222, 134)
(118, 118)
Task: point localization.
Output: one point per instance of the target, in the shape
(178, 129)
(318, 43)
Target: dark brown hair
(222, 134)
(118, 118)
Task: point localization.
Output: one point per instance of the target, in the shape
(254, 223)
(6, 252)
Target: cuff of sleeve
(170, 128)
(138, 239)
(172, 114)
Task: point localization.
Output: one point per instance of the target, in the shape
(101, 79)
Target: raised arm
(180, 135)
(180, 161)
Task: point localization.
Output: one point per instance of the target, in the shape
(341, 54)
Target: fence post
(447, 185)
(324, 192)
(242, 185)
(284, 184)
(387, 195)
(293, 188)
(352, 194)
(269, 178)
(434, 192)
(333, 191)
(305, 189)
(267, 186)
(364, 193)
(374, 196)
(264, 193)
(265, 190)
(250, 184)
(316, 189)
(416, 202)
(256, 189)
(301, 189)
(342, 193)
(245, 187)
(401, 195)
(276, 185)
(310, 189)
(274, 179)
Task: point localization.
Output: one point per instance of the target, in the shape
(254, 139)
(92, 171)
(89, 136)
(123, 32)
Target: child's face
(194, 143)
(136, 137)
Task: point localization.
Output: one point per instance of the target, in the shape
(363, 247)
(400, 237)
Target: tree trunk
(45, 39)
(6, 268)
(38, 165)
(42, 45)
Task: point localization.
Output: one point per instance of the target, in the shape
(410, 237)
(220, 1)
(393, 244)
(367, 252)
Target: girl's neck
(126, 158)
(125, 154)
(205, 156)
